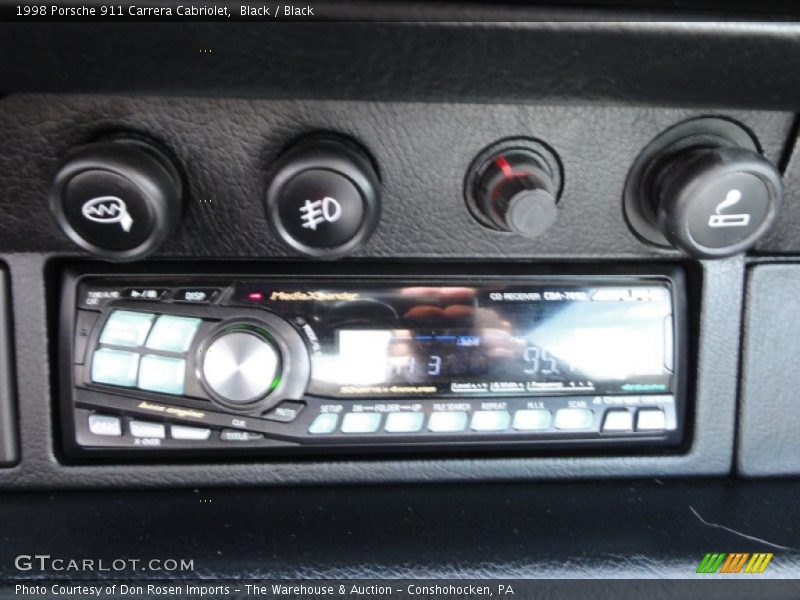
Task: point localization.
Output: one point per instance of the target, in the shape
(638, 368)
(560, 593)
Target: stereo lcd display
(459, 341)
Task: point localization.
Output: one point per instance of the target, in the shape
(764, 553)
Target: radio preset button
(324, 423)
(126, 328)
(361, 422)
(443, 422)
(490, 420)
(173, 334)
(181, 432)
(651, 419)
(574, 418)
(532, 420)
(115, 367)
(105, 425)
(285, 412)
(237, 435)
(618, 420)
(146, 429)
(404, 422)
(162, 374)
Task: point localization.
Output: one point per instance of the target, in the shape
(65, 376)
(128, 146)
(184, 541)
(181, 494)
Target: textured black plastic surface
(423, 150)
(769, 425)
(646, 529)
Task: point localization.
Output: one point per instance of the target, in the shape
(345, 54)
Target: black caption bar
(429, 589)
(32, 11)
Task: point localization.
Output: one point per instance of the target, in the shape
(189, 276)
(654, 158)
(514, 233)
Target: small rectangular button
(237, 435)
(324, 423)
(162, 374)
(145, 293)
(651, 419)
(532, 419)
(195, 295)
(285, 412)
(361, 422)
(173, 334)
(181, 432)
(115, 367)
(126, 328)
(574, 418)
(618, 420)
(404, 422)
(146, 429)
(442, 422)
(105, 425)
(490, 420)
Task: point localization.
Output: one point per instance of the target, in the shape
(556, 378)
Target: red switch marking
(503, 165)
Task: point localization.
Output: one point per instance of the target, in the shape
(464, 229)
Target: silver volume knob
(240, 366)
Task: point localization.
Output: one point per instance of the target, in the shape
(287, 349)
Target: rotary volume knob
(241, 366)
(253, 363)
(514, 187)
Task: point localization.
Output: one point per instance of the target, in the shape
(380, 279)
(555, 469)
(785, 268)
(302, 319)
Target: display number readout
(536, 362)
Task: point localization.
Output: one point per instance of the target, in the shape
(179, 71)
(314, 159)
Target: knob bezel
(549, 166)
(326, 152)
(147, 167)
(294, 364)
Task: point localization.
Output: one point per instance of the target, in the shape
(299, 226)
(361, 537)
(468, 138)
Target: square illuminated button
(442, 422)
(618, 420)
(532, 419)
(490, 420)
(574, 418)
(173, 334)
(324, 423)
(650, 419)
(406, 422)
(162, 374)
(361, 422)
(126, 328)
(115, 367)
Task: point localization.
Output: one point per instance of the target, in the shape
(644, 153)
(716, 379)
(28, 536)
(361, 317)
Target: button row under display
(107, 425)
(566, 419)
(112, 426)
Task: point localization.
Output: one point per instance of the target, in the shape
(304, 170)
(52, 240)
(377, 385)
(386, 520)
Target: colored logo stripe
(734, 562)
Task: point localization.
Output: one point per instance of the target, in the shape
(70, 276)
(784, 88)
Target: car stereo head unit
(208, 364)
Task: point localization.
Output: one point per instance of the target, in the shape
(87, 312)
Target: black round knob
(118, 199)
(514, 187)
(703, 187)
(714, 202)
(323, 196)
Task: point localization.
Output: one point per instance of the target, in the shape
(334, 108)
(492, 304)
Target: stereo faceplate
(275, 363)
